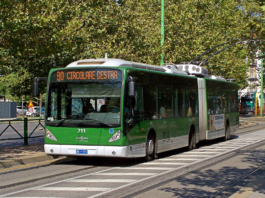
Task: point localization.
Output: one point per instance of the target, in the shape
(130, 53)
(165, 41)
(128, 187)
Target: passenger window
(191, 101)
(179, 103)
(165, 102)
(150, 102)
(139, 96)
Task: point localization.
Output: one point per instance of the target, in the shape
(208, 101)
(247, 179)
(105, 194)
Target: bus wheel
(227, 132)
(192, 141)
(150, 148)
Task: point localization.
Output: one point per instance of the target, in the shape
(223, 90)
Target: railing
(25, 136)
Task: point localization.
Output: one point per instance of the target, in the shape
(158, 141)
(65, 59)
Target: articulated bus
(247, 104)
(117, 108)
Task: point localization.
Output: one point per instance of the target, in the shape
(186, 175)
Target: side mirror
(36, 85)
(131, 90)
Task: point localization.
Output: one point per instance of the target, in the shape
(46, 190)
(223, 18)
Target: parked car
(31, 112)
(37, 113)
(20, 111)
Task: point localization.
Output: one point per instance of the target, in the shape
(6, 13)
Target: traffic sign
(30, 104)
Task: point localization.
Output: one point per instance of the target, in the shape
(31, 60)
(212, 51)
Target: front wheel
(227, 132)
(192, 141)
(150, 148)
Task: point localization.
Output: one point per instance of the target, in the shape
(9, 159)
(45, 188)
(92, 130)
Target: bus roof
(181, 69)
(121, 63)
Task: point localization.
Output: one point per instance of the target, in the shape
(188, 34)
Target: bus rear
(83, 113)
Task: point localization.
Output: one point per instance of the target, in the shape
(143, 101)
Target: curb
(25, 160)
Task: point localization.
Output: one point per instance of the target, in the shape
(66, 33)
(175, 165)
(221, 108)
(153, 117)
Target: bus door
(133, 115)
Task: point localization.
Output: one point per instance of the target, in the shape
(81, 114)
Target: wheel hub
(150, 149)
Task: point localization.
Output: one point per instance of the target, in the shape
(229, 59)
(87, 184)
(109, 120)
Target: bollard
(25, 131)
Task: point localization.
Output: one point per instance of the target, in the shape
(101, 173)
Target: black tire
(192, 141)
(227, 132)
(150, 148)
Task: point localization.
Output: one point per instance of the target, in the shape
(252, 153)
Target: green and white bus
(117, 108)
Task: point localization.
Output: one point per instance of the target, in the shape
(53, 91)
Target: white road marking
(136, 174)
(164, 163)
(202, 152)
(201, 156)
(103, 180)
(73, 189)
(52, 183)
(213, 149)
(239, 143)
(178, 159)
(147, 168)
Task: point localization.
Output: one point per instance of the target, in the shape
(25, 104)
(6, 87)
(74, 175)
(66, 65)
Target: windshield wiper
(105, 124)
(62, 121)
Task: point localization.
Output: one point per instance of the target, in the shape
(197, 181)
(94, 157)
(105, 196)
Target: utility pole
(162, 30)
(261, 86)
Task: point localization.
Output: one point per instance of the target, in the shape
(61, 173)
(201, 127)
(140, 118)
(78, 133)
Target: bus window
(165, 102)
(229, 103)
(57, 108)
(150, 102)
(178, 102)
(191, 101)
(139, 101)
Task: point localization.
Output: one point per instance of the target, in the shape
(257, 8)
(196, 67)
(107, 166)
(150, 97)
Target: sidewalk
(22, 155)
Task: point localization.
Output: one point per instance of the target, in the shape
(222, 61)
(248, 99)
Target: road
(19, 127)
(214, 169)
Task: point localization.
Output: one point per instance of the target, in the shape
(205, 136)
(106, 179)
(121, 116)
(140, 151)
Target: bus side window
(165, 102)
(229, 103)
(176, 100)
(138, 105)
(179, 103)
(139, 101)
(191, 103)
(150, 102)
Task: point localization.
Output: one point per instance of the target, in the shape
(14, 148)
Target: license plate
(81, 151)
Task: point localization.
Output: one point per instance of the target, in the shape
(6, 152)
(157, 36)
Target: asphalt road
(204, 172)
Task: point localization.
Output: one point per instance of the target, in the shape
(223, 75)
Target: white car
(20, 111)
(32, 111)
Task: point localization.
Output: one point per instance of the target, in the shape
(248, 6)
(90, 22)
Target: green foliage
(37, 36)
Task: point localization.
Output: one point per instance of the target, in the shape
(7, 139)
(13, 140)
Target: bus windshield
(80, 102)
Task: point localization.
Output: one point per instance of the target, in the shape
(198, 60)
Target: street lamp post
(261, 87)
(162, 30)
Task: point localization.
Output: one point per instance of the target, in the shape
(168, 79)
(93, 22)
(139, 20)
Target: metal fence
(21, 129)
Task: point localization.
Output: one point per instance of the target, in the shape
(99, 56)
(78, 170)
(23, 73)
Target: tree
(39, 35)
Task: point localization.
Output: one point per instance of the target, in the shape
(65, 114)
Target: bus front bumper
(81, 150)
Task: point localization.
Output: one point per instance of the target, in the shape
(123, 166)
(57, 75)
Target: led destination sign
(76, 75)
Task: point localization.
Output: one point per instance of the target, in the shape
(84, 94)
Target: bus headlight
(50, 135)
(116, 136)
